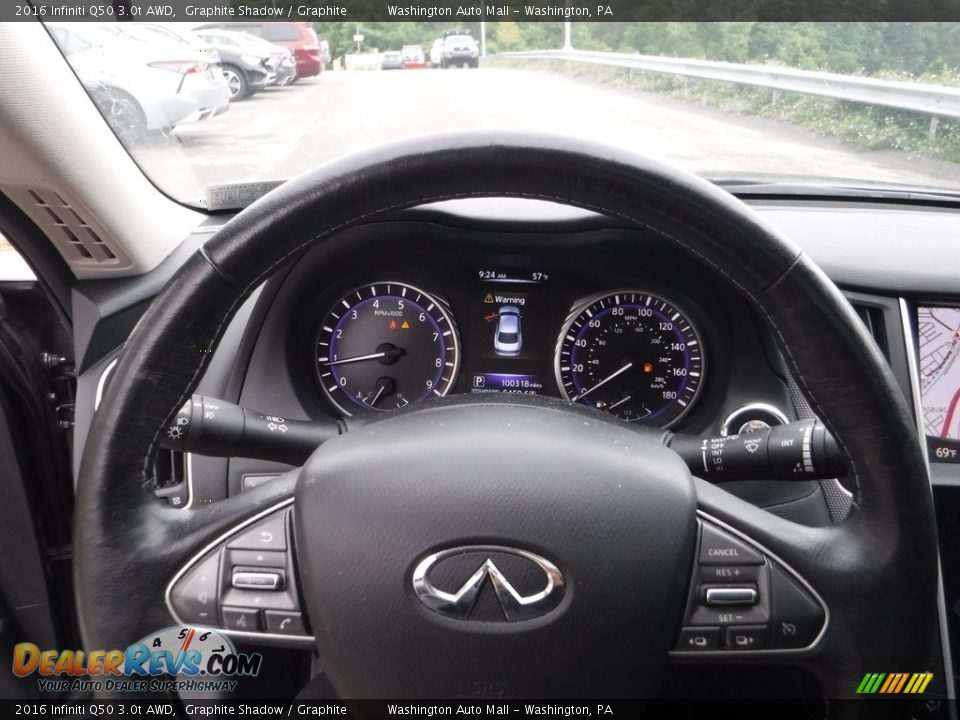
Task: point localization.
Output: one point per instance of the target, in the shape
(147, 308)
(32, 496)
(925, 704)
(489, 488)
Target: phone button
(280, 622)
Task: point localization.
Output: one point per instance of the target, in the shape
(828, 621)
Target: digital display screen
(506, 382)
(509, 330)
(938, 341)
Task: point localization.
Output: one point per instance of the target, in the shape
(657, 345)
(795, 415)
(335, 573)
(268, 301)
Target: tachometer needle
(371, 356)
(603, 382)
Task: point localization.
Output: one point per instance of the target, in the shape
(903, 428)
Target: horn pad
(495, 549)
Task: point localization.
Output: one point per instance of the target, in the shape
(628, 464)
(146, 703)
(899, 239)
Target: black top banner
(492, 11)
(474, 709)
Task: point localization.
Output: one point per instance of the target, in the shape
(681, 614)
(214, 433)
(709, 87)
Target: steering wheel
(603, 510)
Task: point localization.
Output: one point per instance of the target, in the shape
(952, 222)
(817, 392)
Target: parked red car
(298, 36)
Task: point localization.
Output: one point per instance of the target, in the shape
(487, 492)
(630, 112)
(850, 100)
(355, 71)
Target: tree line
(867, 48)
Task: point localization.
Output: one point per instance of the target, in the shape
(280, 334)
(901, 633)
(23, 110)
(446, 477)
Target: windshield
(218, 123)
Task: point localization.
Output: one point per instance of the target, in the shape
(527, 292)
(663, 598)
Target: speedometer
(385, 346)
(633, 355)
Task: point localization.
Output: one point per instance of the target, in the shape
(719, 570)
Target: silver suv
(460, 50)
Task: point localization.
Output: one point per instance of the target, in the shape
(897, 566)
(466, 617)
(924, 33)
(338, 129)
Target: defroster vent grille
(79, 240)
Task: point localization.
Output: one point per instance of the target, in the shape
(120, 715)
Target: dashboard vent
(79, 240)
(873, 318)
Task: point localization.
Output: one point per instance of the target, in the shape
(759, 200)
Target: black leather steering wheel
(616, 512)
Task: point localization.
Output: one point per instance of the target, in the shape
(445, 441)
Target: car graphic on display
(508, 340)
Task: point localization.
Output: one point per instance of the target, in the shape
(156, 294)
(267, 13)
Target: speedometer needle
(371, 356)
(603, 382)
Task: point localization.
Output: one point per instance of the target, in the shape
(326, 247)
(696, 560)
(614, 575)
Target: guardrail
(936, 101)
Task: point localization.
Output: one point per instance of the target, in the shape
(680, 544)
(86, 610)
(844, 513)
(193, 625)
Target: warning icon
(405, 326)
(489, 298)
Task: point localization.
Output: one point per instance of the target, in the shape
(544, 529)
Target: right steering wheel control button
(699, 638)
(243, 619)
(731, 595)
(718, 547)
(269, 534)
(741, 600)
(797, 616)
(746, 637)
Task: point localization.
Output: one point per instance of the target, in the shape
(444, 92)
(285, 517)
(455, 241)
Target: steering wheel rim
(882, 559)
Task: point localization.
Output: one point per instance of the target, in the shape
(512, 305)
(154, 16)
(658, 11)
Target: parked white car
(413, 56)
(138, 85)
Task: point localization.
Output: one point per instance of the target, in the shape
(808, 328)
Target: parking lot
(284, 131)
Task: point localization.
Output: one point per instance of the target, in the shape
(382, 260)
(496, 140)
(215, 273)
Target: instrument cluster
(625, 351)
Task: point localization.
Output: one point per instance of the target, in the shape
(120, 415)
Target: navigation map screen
(938, 330)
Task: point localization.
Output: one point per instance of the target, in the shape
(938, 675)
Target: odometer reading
(385, 346)
(632, 355)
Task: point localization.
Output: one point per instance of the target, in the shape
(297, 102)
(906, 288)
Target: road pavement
(281, 132)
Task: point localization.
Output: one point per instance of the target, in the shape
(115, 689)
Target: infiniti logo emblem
(460, 603)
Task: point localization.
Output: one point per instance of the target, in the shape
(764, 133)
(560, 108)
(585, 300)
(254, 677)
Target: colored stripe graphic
(894, 683)
(900, 682)
(891, 680)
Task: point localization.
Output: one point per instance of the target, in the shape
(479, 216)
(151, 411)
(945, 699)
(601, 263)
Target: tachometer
(387, 345)
(633, 355)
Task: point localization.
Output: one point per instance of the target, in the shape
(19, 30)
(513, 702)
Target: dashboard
(540, 299)
(433, 310)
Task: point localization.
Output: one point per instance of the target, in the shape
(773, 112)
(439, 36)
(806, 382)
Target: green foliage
(852, 47)
(867, 127)
(863, 48)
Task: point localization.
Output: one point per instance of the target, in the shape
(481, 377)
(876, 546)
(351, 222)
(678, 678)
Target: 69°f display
(633, 355)
(386, 345)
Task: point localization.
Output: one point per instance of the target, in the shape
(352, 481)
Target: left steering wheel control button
(746, 637)
(257, 580)
(697, 639)
(718, 547)
(247, 583)
(269, 534)
(258, 559)
(194, 596)
(242, 619)
(285, 623)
